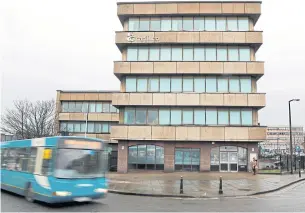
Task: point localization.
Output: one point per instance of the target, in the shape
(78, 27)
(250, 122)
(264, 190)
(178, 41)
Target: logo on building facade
(132, 38)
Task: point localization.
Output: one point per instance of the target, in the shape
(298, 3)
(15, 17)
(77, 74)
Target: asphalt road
(290, 199)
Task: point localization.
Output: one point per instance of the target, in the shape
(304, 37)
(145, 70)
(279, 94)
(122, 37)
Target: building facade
(188, 99)
(278, 139)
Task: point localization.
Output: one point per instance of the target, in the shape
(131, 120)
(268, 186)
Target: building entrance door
(228, 162)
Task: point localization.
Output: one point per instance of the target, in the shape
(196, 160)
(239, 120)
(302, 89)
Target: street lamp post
(291, 151)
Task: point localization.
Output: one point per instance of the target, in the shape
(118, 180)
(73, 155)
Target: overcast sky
(48, 45)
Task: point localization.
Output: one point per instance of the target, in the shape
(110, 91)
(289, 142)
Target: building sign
(131, 38)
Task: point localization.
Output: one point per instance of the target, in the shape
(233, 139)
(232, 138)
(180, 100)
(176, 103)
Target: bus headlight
(61, 193)
(100, 190)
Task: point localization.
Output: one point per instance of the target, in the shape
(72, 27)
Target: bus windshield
(80, 163)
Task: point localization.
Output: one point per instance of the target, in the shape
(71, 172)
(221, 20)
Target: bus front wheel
(29, 194)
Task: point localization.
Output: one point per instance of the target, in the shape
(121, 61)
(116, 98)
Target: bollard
(181, 185)
(300, 169)
(220, 185)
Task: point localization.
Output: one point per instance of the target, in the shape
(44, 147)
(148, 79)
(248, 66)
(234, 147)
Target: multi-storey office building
(188, 98)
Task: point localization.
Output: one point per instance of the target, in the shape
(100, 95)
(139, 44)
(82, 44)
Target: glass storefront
(149, 157)
(228, 159)
(187, 159)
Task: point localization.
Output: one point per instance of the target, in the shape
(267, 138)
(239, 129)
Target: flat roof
(169, 2)
(88, 91)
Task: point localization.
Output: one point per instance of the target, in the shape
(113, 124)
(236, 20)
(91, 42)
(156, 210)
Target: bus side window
(9, 159)
(22, 159)
(32, 159)
(4, 158)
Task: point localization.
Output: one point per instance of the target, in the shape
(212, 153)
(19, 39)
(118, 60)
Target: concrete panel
(236, 133)
(78, 116)
(140, 99)
(255, 68)
(188, 8)
(139, 132)
(255, 117)
(193, 133)
(121, 67)
(165, 67)
(166, 37)
(235, 67)
(234, 37)
(105, 96)
(254, 37)
(188, 37)
(210, 8)
(252, 8)
(256, 100)
(181, 133)
(65, 96)
(142, 67)
(77, 96)
(144, 8)
(233, 8)
(211, 67)
(211, 37)
(212, 133)
(115, 117)
(211, 99)
(92, 116)
(63, 116)
(125, 9)
(164, 99)
(257, 133)
(120, 99)
(235, 99)
(163, 133)
(184, 99)
(187, 67)
(170, 8)
(119, 132)
(91, 96)
(104, 116)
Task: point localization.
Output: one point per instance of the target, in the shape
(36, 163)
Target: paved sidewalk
(197, 184)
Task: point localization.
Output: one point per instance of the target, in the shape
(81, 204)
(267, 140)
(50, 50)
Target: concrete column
(122, 157)
(169, 156)
(205, 157)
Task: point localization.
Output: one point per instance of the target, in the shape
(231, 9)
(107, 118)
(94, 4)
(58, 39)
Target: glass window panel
(166, 24)
(65, 106)
(221, 24)
(131, 84)
(140, 116)
(132, 154)
(155, 24)
(211, 84)
(223, 117)
(78, 106)
(133, 24)
(245, 85)
(243, 24)
(246, 117)
(90, 127)
(164, 116)
(199, 54)
(98, 107)
(141, 154)
(165, 53)
(199, 84)
(233, 53)
(153, 85)
(210, 24)
(154, 53)
(112, 108)
(177, 23)
(151, 154)
(152, 116)
(178, 157)
(83, 127)
(106, 107)
(144, 24)
(142, 85)
(222, 54)
(71, 106)
(165, 84)
(188, 24)
(244, 54)
(223, 84)
(176, 117)
(210, 53)
(188, 85)
(176, 84)
(63, 126)
(98, 128)
(105, 127)
(199, 116)
(143, 53)
(234, 117)
(85, 107)
(198, 23)
(129, 116)
(234, 85)
(211, 117)
(159, 155)
(132, 53)
(91, 107)
(176, 53)
(232, 24)
(188, 116)
(188, 53)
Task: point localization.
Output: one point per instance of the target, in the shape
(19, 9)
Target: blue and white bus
(55, 169)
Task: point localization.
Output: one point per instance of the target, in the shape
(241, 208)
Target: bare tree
(30, 120)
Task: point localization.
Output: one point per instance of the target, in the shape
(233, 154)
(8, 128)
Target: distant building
(7, 137)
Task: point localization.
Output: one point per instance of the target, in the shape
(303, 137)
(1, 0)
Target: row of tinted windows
(200, 84)
(80, 127)
(79, 106)
(188, 116)
(188, 53)
(188, 24)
